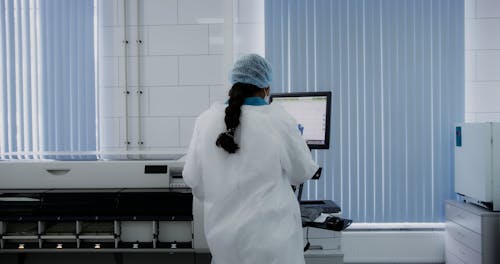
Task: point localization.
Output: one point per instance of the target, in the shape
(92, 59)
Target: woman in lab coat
(242, 159)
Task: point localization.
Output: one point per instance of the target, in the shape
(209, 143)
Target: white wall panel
(159, 70)
(218, 94)
(488, 65)
(178, 40)
(237, 56)
(178, 101)
(180, 63)
(155, 71)
(250, 11)
(159, 12)
(127, 69)
(134, 34)
(249, 38)
(201, 11)
(133, 127)
(216, 39)
(482, 41)
(393, 247)
(109, 75)
(470, 65)
(111, 41)
(468, 34)
(483, 97)
(248, 35)
(485, 34)
(151, 12)
(111, 133)
(133, 101)
(470, 8)
(131, 9)
(468, 98)
(186, 130)
(487, 8)
(470, 117)
(487, 117)
(107, 13)
(113, 102)
(200, 70)
(161, 132)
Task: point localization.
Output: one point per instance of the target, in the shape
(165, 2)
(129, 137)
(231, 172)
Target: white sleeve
(299, 165)
(192, 172)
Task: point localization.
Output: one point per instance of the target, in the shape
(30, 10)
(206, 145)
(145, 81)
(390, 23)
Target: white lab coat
(251, 214)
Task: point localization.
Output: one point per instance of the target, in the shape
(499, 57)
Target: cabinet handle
(316, 247)
(58, 172)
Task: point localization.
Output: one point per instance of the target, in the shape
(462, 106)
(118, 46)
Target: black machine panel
(97, 205)
(155, 169)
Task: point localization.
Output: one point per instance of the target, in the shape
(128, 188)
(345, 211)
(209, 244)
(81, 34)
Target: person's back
(258, 146)
(243, 178)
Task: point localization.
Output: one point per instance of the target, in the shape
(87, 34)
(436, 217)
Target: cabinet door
(464, 218)
(452, 259)
(473, 164)
(464, 253)
(464, 235)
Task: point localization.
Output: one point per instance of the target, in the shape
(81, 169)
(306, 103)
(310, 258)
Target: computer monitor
(312, 112)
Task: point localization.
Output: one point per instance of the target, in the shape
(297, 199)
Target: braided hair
(237, 96)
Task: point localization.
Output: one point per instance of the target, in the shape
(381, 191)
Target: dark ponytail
(237, 96)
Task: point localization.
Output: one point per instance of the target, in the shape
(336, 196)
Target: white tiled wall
(249, 35)
(482, 60)
(178, 66)
(249, 39)
(216, 39)
(172, 101)
(200, 70)
(201, 11)
(159, 12)
(178, 40)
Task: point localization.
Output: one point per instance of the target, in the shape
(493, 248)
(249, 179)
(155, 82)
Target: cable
(307, 239)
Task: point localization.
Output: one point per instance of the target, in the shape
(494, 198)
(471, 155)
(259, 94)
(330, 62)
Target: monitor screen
(312, 112)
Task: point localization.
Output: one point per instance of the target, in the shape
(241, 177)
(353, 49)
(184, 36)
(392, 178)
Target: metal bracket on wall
(140, 92)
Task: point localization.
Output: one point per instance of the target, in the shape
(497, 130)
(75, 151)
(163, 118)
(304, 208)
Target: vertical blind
(396, 72)
(46, 77)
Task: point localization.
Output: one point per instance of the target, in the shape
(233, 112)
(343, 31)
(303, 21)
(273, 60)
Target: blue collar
(254, 101)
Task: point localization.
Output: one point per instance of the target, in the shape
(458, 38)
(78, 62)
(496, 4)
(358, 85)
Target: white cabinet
(472, 234)
(325, 246)
(477, 162)
(324, 257)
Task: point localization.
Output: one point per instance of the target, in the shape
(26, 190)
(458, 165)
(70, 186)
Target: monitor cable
(308, 244)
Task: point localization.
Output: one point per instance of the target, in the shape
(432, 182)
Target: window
(396, 72)
(47, 79)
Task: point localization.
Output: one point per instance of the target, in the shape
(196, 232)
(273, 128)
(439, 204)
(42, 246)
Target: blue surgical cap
(252, 69)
